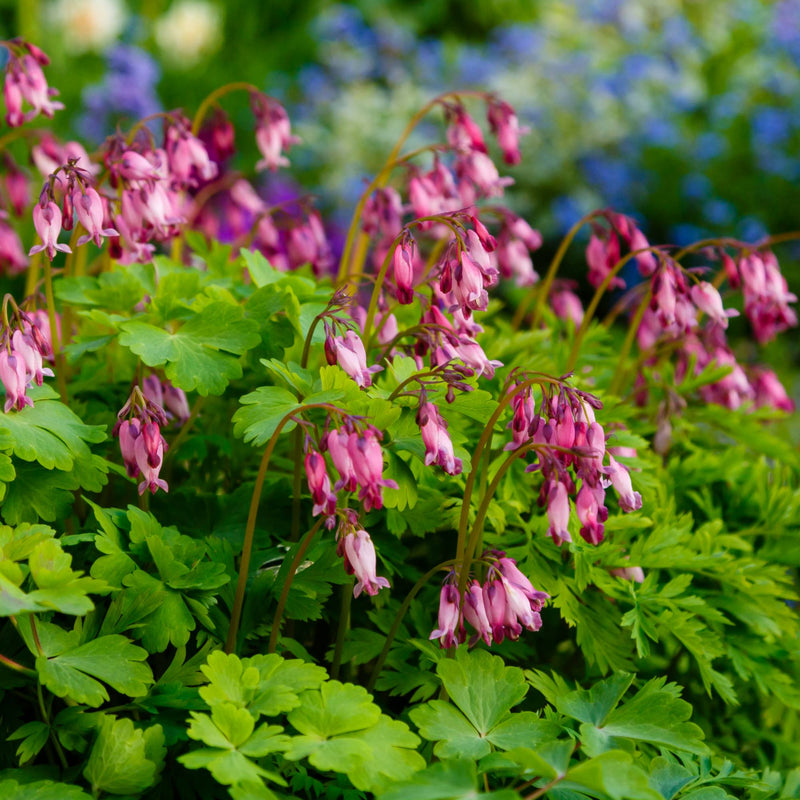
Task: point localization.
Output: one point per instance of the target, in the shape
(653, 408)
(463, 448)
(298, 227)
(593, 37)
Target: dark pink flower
(708, 300)
(505, 125)
(366, 455)
(403, 269)
(149, 449)
(450, 632)
(128, 433)
(273, 132)
(319, 484)
(558, 513)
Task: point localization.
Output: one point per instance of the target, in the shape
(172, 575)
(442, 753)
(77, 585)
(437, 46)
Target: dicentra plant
(274, 504)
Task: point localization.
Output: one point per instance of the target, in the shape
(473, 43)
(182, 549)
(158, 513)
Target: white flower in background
(88, 24)
(188, 31)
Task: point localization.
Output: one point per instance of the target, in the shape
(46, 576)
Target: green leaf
(41, 790)
(232, 740)
(261, 413)
(656, 714)
(201, 355)
(453, 733)
(124, 759)
(393, 755)
(482, 686)
(587, 705)
(34, 737)
(69, 671)
(50, 433)
(448, 780)
(612, 774)
(282, 682)
(333, 709)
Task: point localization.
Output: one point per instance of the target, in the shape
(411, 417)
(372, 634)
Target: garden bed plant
(405, 520)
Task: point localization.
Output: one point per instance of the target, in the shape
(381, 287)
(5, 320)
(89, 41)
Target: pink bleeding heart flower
(91, 214)
(14, 379)
(352, 358)
(319, 484)
(450, 632)
(438, 445)
(505, 125)
(361, 561)
(47, 222)
(149, 448)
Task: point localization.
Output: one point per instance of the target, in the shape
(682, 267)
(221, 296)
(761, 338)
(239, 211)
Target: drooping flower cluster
(679, 301)
(138, 428)
(569, 446)
(356, 453)
(604, 249)
(24, 345)
(497, 609)
(25, 84)
(166, 396)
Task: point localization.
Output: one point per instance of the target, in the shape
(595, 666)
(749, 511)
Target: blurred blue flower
(785, 29)
(660, 131)
(719, 212)
(567, 211)
(613, 178)
(771, 126)
(751, 229)
(518, 42)
(127, 89)
(475, 66)
(696, 185)
(708, 146)
(685, 233)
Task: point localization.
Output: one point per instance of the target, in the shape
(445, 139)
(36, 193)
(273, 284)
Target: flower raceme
(500, 608)
(138, 428)
(23, 348)
(25, 83)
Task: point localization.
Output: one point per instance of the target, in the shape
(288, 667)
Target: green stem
(598, 296)
(247, 545)
(287, 584)
(341, 631)
(542, 291)
(398, 618)
(546, 788)
(483, 508)
(619, 372)
(376, 290)
(382, 178)
(17, 667)
(236, 86)
(58, 356)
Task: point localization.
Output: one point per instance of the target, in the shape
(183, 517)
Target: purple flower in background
(128, 89)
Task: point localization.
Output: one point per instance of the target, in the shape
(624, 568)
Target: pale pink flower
(438, 446)
(14, 379)
(47, 222)
(352, 358)
(708, 300)
(620, 479)
(361, 561)
(475, 611)
(91, 213)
